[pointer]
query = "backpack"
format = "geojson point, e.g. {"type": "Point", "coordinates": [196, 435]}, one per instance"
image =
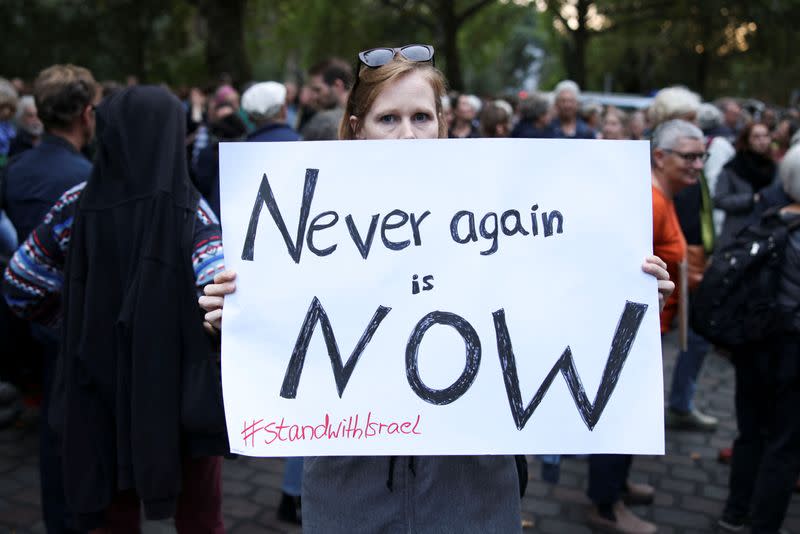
{"type": "Point", "coordinates": [736, 302]}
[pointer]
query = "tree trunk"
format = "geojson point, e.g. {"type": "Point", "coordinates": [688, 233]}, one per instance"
{"type": "Point", "coordinates": [581, 39]}
{"type": "Point", "coordinates": [703, 61]}
{"type": "Point", "coordinates": [449, 25]}
{"type": "Point", "coordinates": [225, 51]}
{"type": "Point", "coordinates": [574, 46]}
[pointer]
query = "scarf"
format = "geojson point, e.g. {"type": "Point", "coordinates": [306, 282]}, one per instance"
{"type": "Point", "coordinates": [756, 169]}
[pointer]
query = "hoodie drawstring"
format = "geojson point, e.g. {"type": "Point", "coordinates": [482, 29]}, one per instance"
{"type": "Point", "coordinates": [390, 476]}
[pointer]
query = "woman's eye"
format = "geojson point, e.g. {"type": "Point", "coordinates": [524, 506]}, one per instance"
{"type": "Point", "coordinates": [387, 119]}
{"type": "Point", "coordinates": [421, 117]}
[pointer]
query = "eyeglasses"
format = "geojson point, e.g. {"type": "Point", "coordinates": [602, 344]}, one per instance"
{"type": "Point", "coordinates": [689, 157]}
{"type": "Point", "coordinates": [377, 57]}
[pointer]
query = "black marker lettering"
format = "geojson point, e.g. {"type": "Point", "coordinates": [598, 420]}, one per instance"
{"type": "Point", "coordinates": [489, 233]}
{"type": "Point", "coordinates": [414, 285]}
{"type": "Point", "coordinates": [624, 336]}
{"type": "Point", "coordinates": [534, 223]}
{"type": "Point", "coordinates": [265, 196]}
{"type": "Point", "coordinates": [517, 228]}
{"type": "Point", "coordinates": [547, 221]}
{"type": "Point", "coordinates": [391, 226]}
{"type": "Point", "coordinates": [341, 373]}
{"type": "Point", "coordinates": [472, 236]}
{"type": "Point", "coordinates": [321, 226]}
{"type": "Point", "coordinates": [426, 280]}
{"type": "Point", "coordinates": [415, 227]}
{"type": "Point", "coordinates": [473, 350]}
{"type": "Point", "coordinates": [363, 246]}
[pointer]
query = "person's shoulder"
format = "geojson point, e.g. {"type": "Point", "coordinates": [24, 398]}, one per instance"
{"type": "Point", "coordinates": [22, 161]}
{"type": "Point", "coordinates": [289, 134]}
{"type": "Point", "coordinates": [329, 115]}
{"type": "Point", "coordinates": [721, 144]}
{"type": "Point", "coordinates": [729, 169]}
{"type": "Point", "coordinates": [520, 129]}
{"type": "Point", "coordinates": [58, 159]}
{"type": "Point", "coordinates": [583, 130]}
{"type": "Point", "coordinates": [277, 132]}
{"type": "Point", "coordinates": [208, 153]}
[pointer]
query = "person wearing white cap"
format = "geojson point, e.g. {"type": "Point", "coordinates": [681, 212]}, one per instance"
{"type": "Point", "coordinates": [265, 105]}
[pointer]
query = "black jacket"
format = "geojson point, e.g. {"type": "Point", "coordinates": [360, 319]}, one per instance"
{"type": "Point", "coordinates": [137, 387]}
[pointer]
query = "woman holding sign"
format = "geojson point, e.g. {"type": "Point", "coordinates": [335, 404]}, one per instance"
{"type": "Point", "coordinates": [397, 95]}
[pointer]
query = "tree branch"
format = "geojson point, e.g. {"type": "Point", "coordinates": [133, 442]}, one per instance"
{"type": "Point", "coordinates": [626, 9]}
{"type": "Point", "coordinates": [556, 12]}
{"type": "Point", "coordinates": [472, 10]}
{"type": "Point", "coordinates": [406, 11]}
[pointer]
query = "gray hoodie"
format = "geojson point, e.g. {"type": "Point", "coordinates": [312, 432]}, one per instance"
{"type": "Point", "coordinates": [411, 494]}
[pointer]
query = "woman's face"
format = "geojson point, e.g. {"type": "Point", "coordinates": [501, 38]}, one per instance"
{"type": "Point", "coordinates": [612, 127]}
{"type": "Point", "coordinates": [405, 109]}
{"type": "Point", "coordinates": [759, 139]}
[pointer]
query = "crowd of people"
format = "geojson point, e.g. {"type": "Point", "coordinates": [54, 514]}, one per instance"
{"type": "Point", "coordinates": [109, 231]}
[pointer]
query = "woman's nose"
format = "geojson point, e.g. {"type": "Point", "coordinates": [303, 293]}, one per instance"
{"type": "Point", "coordinates": [406, 130]}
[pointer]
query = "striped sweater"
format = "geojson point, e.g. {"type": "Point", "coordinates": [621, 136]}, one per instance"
{"type": "Point", "coordinates": [34, 277]}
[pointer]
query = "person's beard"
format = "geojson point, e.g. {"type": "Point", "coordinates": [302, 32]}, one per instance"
{"type": "Point", "coordinates": [34, 130]}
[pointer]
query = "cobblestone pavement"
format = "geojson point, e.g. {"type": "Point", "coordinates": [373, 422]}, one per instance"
{"type": "Point", "coordinates": [690, 484]}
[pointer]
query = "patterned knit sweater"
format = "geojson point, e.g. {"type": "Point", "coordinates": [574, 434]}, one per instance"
{"type": "Point", "coordinates": [33, 280]}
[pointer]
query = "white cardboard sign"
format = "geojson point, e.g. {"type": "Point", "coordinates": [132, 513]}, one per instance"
{"type": "Point", "coordinates": [440, 297]}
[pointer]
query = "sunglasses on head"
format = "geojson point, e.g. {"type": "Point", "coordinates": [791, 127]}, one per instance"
{"type": "Point", "coordinates": [377, 57]}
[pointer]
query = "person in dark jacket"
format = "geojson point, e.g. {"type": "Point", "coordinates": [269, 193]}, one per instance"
{"type": "Point", "coordinates": [265, 104]}
{"type": "Point", "coordinates": [138, 408]}
{"type": "Point", "coordinates": [742, 180]}
{"type": "Point", "coordinates": [766, 454]}
{"type": "Point", "coordinates": [567, 124]}
{"type": "Point", "coordinates": [228, 127]}
{"type": "Point", "coordinates": [65, 97]}
{"type": "Point", "coordinates": [534, 118]}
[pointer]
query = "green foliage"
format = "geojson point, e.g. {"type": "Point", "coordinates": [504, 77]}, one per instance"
{"type": "Point", "coordinates": [113, 38]}
{"type": "Point", "coordinates": [285, 37]}
{"type": "Point", "coordinates": [496, 48]}
{"type": "Point", "coordinates": [716, 47]}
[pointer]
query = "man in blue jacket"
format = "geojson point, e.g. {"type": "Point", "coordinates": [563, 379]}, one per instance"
{"type": "Point", "coordinates": [65, 98]}
{"type": "Point", "coordinates": [567, 124]}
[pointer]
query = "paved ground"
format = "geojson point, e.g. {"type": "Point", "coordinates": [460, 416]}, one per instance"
{"type": "Point", "coordinates": [690, 484]}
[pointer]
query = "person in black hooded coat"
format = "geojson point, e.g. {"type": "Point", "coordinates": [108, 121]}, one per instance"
{"type": "Point", "coordinates": [743, 180]}
{"type": "Point", "coordinates": [137, 391]}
